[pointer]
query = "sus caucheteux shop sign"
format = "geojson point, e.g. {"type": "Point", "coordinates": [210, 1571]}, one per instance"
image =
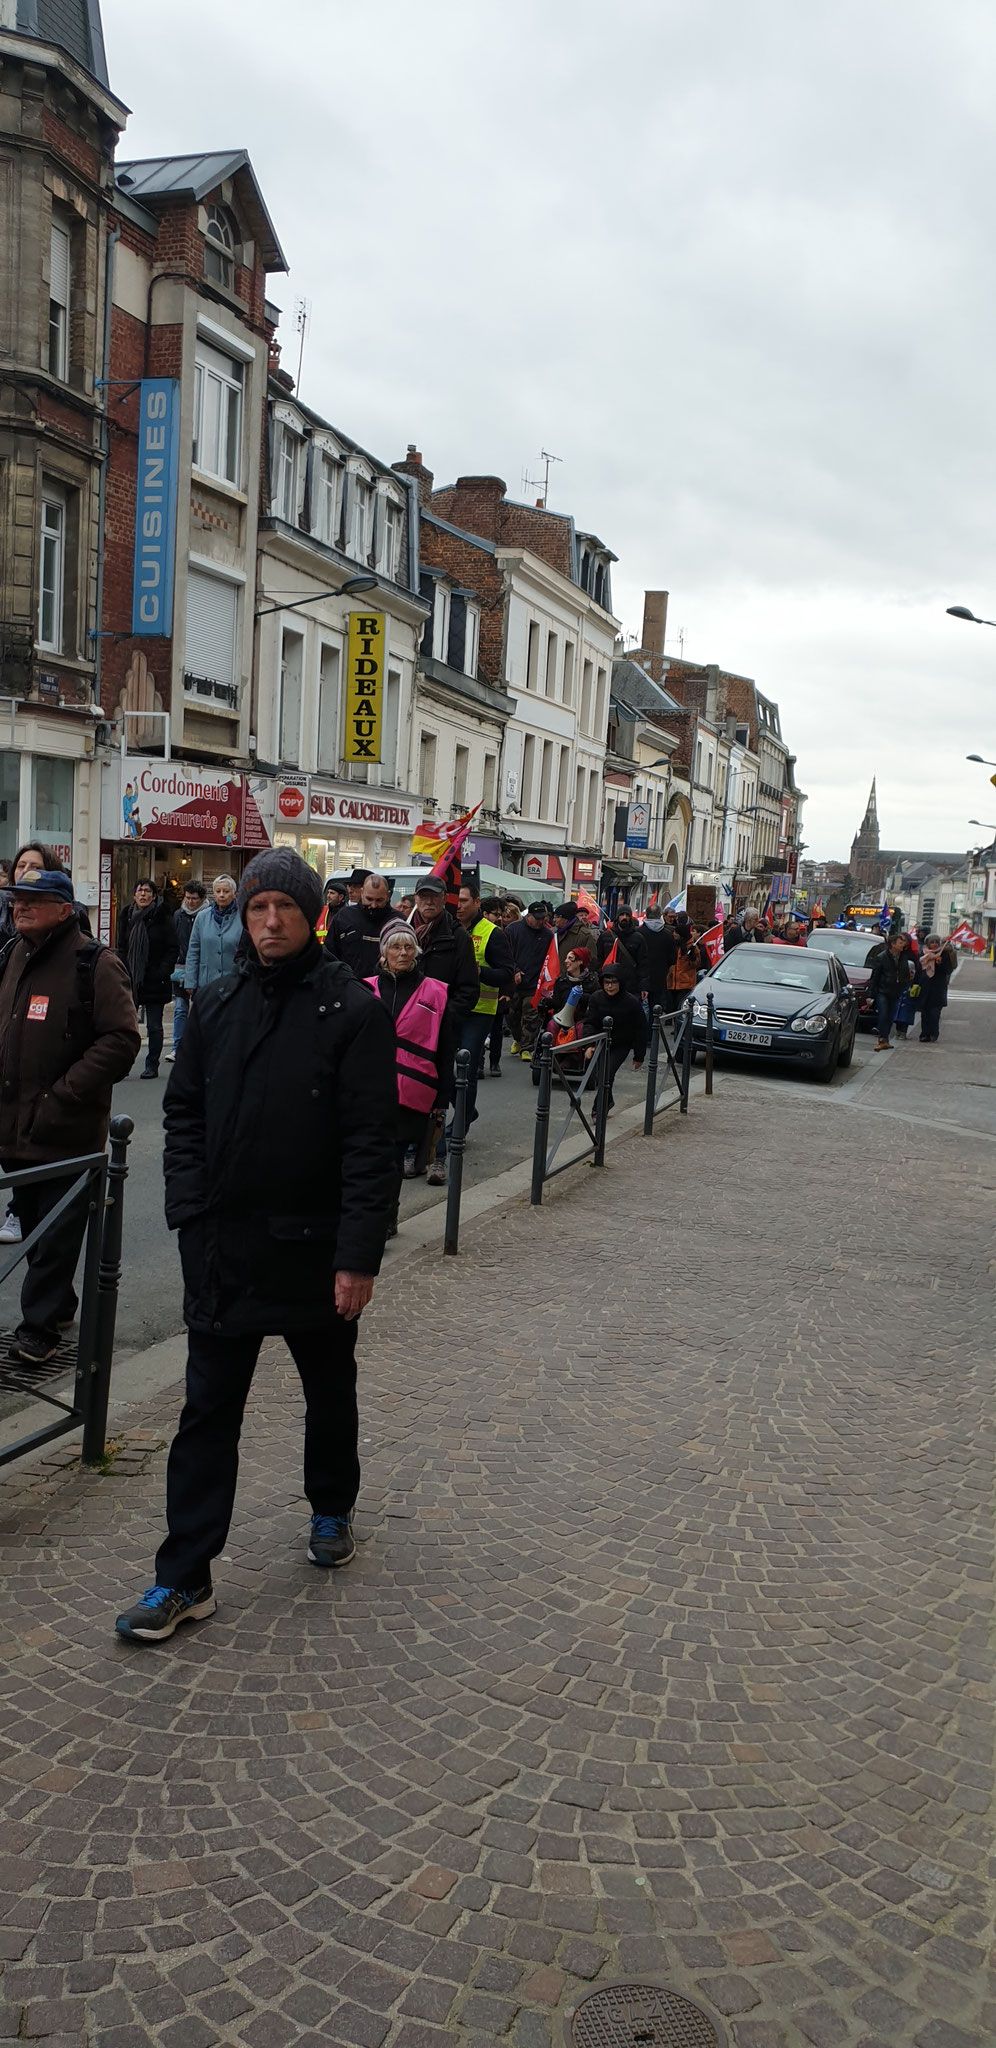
{"type": "Point", "coordinates": [365, 681]}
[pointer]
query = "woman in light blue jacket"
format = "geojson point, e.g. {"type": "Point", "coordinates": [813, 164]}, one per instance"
{"type": "Point", "coordinates": [214, 937]}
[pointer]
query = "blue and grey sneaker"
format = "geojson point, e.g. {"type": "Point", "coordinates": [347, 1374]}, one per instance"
{"type": "Point", "coordinates": [161, 1610]}
{"type": "Point", "coordinates": [332, 1541]}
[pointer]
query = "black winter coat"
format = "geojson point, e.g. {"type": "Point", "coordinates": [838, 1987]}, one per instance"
{"type": "Point", "coordinates": [183, 925]}
{"type": "Point", "coordinates": [280, 1121]}
{"type": "Point", "coordinates": [660, 953]}
{"type": "Point", "coordinates": [155, 985]}
{"type": "Point", "coordinates": [629, 1025]}
{"type": "Point", "coordinates": [354, 936]}
{"type": "Point", "coordinates": [448, 955]}
{"type": "Point", "coordinates": [890, 975]}
{"type": "Point", "coordinates": [529, 949]}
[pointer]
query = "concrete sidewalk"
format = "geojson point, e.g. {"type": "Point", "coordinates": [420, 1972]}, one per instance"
{"type": "Point", "coordinates": [666, 1658]}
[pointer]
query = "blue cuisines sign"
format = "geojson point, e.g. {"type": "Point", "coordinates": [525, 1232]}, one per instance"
{"type": "Point", "coordinates": [155, 507]}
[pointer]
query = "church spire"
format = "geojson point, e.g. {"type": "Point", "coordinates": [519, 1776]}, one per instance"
{"type": "Point", "coordinates": [871, 808]}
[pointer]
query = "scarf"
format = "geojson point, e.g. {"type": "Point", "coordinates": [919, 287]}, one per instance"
{"type": "Point", "coordinates": [222, 917]}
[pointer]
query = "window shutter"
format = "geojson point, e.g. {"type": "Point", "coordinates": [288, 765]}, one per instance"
{"type": "Point", "coordinates": [212, 612]}
{"type": "Point", "coordinates": [59, 267]}
{"type": "Point", "coordinates": [458, 632]}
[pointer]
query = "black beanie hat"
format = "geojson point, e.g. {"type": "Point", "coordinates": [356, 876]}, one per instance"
{"type": "Point", "coordinates": [281, 868]}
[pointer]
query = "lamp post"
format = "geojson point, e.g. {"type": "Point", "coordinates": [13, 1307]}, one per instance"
{"type": "Point", "coordinates": [961, 611]}
{"type": "Point", "coordinates": [351, 588]}
{"type": "Point", "coordinates": [982, 824]}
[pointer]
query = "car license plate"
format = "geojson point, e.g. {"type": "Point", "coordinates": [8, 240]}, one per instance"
{"type": "Point", "coordinates": [746, 1037]}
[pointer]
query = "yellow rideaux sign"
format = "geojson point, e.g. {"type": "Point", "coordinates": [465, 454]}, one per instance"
{"type": "Point", "coordinates": [365, 684]}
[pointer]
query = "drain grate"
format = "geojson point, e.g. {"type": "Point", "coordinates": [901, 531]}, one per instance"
{"type": "Point", "coordinates": [16, 1377]}
{"type": "Point", "coordinates": [641, 2016]}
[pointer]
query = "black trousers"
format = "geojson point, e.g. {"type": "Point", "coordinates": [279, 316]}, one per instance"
{"type": "Point", "coordinates": [204, 1457]}
{"type": "Point", "coordinates": [48, 1296]}
{"type": "Point", "coordinates": [930, 1020]}
{"type": "Point", "coordinates": [154, 1027]}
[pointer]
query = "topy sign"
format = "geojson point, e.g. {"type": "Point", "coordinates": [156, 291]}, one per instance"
{"type": "Point", "coordinates": [155, 507]}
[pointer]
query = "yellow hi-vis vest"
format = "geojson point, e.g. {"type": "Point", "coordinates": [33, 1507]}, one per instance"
{"type": "Point", "coordinates": [487, 1002]}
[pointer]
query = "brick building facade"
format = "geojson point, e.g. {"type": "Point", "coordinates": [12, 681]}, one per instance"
{"type": "Point", "coordinates": [59, 125]}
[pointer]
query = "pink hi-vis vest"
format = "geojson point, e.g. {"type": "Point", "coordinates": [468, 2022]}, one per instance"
{"type": "Point", "coordinates": [417, 1031]}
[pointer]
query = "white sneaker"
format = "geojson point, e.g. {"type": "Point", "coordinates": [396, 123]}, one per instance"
{"type": "Point", "coordinates": [170, 1056]}
{"type": "Point", "coordinates": [10, 1229]}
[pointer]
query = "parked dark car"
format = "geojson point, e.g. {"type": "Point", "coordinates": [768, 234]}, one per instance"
{"type": "Point", "coordinates": [780, 1003]}
{"type": "Point", "coordinates": [855, 951]}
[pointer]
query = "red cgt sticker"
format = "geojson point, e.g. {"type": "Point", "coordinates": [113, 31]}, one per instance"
{"type": "Point", "coordinates": [38, 1009]}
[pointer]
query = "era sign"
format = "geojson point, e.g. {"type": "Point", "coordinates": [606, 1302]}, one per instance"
{"type": "Point", "coordinates": [365, 686]}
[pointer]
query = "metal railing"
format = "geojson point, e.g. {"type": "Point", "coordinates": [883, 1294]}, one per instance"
{"type": "Point", "coordinates": [594, 1076]}
{"type": "Point", "coordinates": [100, 1182]}
{"type": "Point", "coordinates": [674, 1042]}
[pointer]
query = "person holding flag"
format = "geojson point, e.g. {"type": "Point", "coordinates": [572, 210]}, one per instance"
{"type": "Point", "coordinates": [447, 952]}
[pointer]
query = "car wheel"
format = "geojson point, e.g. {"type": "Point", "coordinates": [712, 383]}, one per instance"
{"type": "Point", "coordinates": [844, 1058]}
{"type": "Point", "coordinates": [829, 1067]}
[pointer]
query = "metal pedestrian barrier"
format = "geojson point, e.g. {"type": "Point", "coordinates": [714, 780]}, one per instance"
{"type": "Point", "coordinates": [593, 1080]}
{"type": "Point", "coordinates": [669, 1059]}
{"type": "Point", "coordinates": [99, 1181]}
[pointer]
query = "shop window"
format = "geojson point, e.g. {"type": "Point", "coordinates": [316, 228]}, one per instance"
{"type": "Point", "coordinates": [52, 787]}
{"type": "Point", "coordinates": [218, 391]}
{"type": "Point", "coordinates": [10, 803]}
{"type": "Point", "coordinates": [219, 247]}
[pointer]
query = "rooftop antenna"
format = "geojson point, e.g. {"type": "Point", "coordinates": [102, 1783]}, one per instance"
{"type": "Point", "coordinates": [532, 483]}
{"type": "Point", "coordinates": [302, 317]}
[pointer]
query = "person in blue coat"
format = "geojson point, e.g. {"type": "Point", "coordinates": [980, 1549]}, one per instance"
{"type": "Point", "coordinates": [214, 937]}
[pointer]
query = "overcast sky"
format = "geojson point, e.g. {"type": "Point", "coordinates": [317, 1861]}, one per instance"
{"type": "Point", "coordinates": [731, 262]}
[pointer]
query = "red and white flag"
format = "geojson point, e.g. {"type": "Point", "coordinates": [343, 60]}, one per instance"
{"type": "Point", "coordinates": [713, 943]}
{"type": "Point", "coordinates": [586, 902]}
{"type": "Point", "coordinates": [549, 975]}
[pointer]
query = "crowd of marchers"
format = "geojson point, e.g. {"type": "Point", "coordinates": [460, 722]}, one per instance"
{"type": "Point", "coordinates": [314, 1040]}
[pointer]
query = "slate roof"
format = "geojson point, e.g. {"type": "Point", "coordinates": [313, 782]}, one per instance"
{"type": "Point", "coordinates": [636, 691]}
{"type": "Point", "coordinates": [155, 180]}
{"type": "Point", "coordinates": [73, 26]}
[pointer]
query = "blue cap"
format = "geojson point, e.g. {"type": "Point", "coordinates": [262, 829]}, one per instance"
{"type": "Point", "coordinates": [45, 882]}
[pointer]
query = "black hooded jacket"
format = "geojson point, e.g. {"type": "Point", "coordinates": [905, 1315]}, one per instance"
{"type": "Point", "coordinates": [354, 936]}
{"type": "Point", "coordinates": [629, 1025]}
{"type": "Point", "coordinates": [280, 1119]}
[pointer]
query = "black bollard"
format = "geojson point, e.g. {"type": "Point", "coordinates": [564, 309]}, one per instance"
{"type": "Point", "coordinates": [602, 1097]}
{"type": "Point", "coordinates": [686, 1055]}
{"type": "Point", "coordinates": [108, 1277]}
{"type": "Point", "coordinates": [655, 1047]}
{"type": "Point", "coordinates": [542, 1126]}
{"type": "Point", "coordinates": [456, 1145]}
{"type": "Point", "coordinates": [709, 1035]}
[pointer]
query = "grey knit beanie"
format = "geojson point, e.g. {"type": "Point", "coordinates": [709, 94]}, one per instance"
{"type": "Point", "coordinates": [281, 868]}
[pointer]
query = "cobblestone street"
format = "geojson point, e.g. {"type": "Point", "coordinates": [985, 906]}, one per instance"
{"type": "Point", "coordinates": [666, 1656]}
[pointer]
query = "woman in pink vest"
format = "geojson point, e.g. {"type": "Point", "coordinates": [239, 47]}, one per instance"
{"type": "Point", "coordinates": [426, 1036]}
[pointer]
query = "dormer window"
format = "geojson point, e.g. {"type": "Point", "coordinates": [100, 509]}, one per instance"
{"type": "Point", "coordinates": [219, 250]}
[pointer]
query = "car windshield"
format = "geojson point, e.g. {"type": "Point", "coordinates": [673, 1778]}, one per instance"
{"type": "Point", "coordinates": [776, 967]}
{"type": "Point", "coordinates": [856, 949]}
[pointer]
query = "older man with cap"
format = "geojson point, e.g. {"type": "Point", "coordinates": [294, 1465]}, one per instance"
{"type": "Point", "coordinates": [68, 1031]}
{"type": "Point", "coordinates": [280, 1178]}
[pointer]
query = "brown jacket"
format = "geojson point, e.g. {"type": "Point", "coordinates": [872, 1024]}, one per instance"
{"type": "Point", "coordinates": [58, 1064]}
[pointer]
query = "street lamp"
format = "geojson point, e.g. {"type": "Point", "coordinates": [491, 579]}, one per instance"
{"type": "Point", "coordinates": [961, 611]}
{"type": "Point", "coordinates": [981, 759]}
{"type": "Point", "coordinates": [982, 824]}
{"type": "Point", "coordinates": [351, 588]}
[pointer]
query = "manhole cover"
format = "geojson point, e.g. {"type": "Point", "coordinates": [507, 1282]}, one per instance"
{"type": "Point", "coordinates": [641, 2016]}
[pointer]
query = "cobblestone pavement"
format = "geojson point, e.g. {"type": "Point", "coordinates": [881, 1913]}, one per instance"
{"type": "Point", "coordinates": [666, 1656]}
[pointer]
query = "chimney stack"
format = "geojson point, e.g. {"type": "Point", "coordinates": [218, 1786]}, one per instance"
{"type": "Point", "coordinates": [654, 620]}
{"type": "Point", "coordinates": [413, 465]}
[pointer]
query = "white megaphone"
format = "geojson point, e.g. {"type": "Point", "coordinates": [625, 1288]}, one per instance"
{"type": "Point", "coordinates": [565, 1017]}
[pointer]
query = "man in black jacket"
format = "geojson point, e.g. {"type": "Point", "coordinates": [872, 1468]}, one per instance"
{"type": "Point", "coordinates": [660, 951]}
{"type": "Point", "coordinates": [280, 1176]}
{"type": "Point", "coordinates": [493, 959]}
{"type": "Point", "coordinates": [529, 941]}
{"type": "Point", "coordinates": [629, 1025]}
{"type": "Point", "coordinates": [751, 932]}
{"type": "Point", "coordinates": [891, 974]}
{"type": "Point", "coordinates": [447, 952]}
{"type": "Point", "coordinates": [354, 933]}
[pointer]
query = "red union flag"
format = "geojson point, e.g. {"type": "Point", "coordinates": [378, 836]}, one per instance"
{"type": "Point", "coordinates": [713, 943]}
{"type": "Point", "coordinates": [963, 935]}
{"type": "Point", "coordinates": [549, 973]}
